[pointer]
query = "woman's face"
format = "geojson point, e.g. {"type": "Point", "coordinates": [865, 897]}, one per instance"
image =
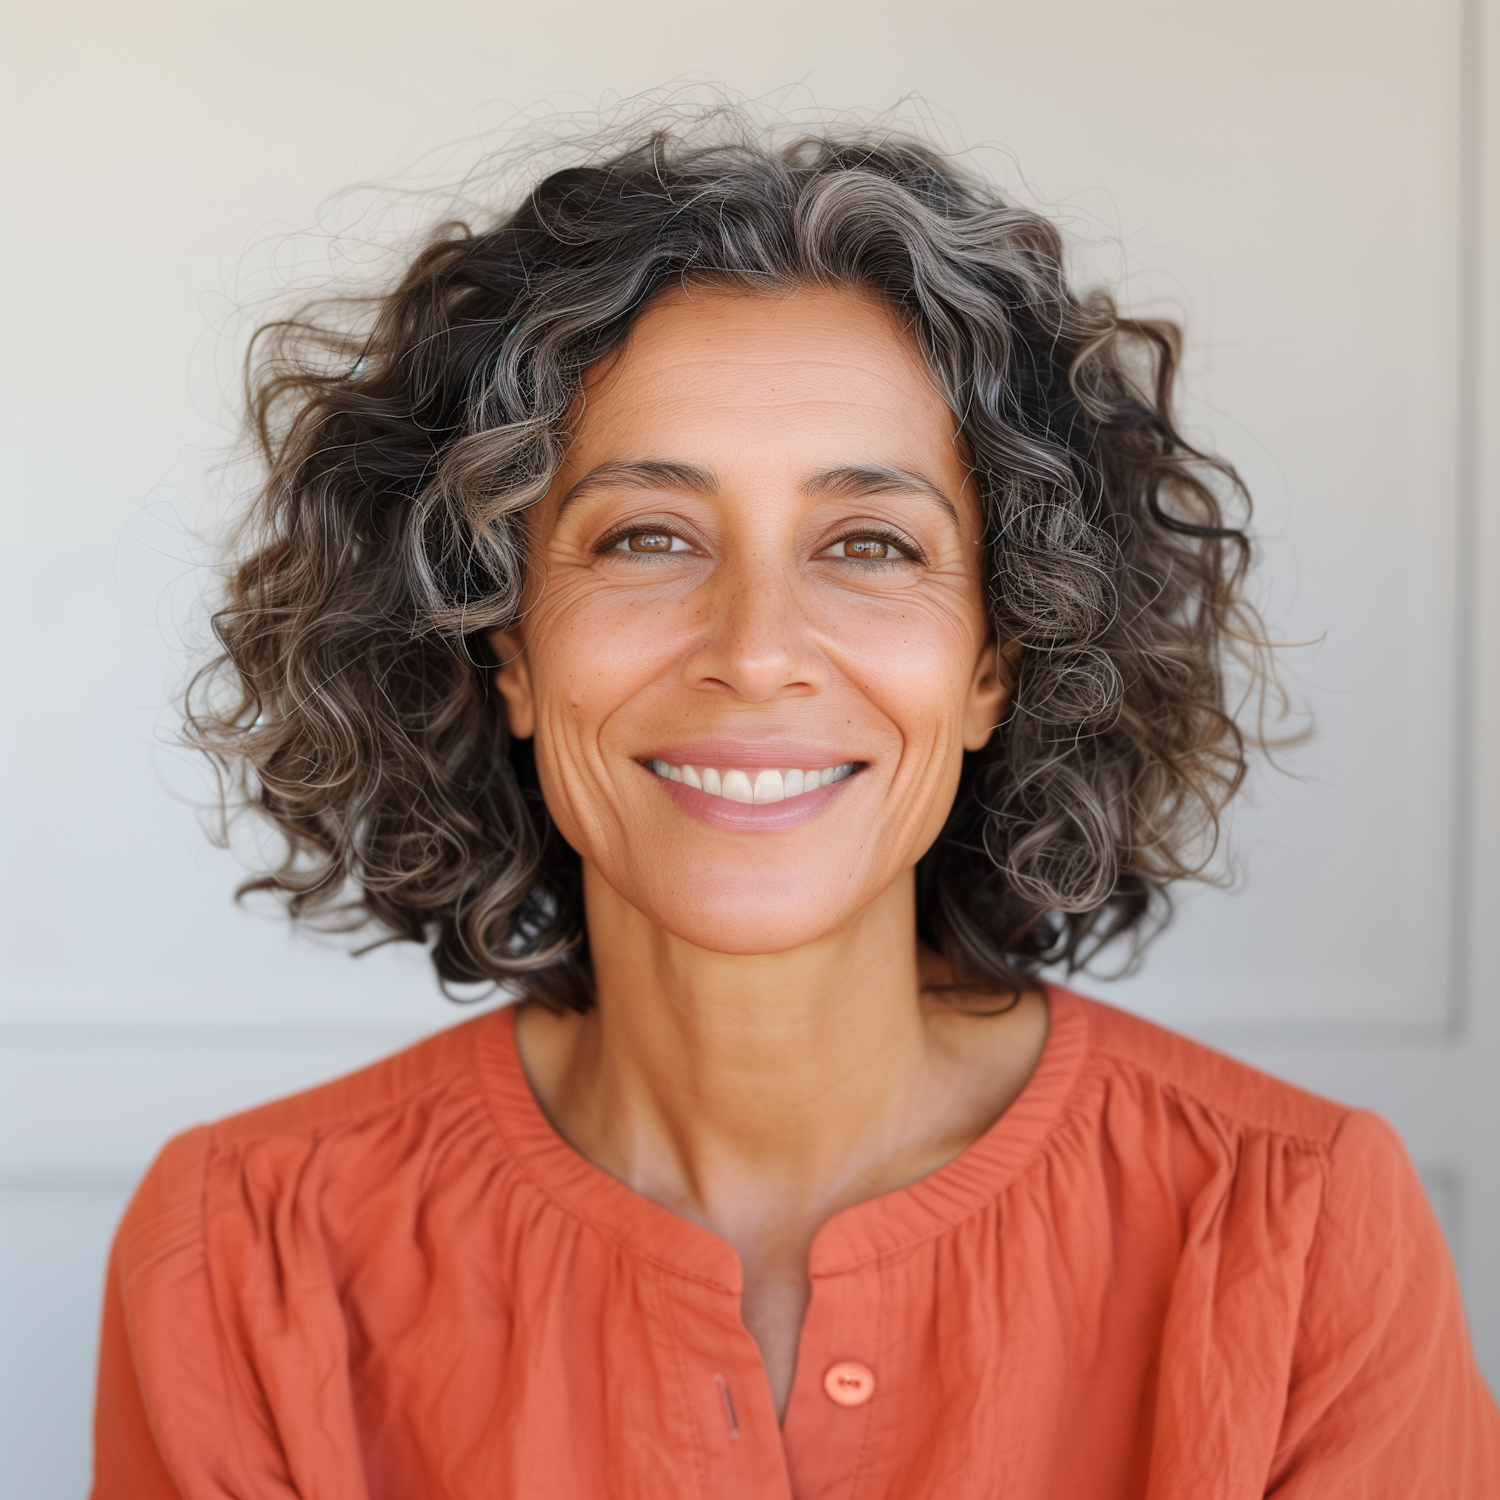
{"type": "Point", "coordinates": [758, 571]}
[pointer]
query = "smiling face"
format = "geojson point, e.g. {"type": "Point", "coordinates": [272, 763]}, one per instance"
{"type": "Point", "coordinates": [761, 560]}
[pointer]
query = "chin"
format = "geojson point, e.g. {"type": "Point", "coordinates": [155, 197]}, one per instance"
{"type": "Point", "coordinates": [748, 917]}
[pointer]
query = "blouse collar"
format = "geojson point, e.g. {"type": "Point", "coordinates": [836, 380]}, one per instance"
{"type": "Point", "coordinates": [866, 1231]}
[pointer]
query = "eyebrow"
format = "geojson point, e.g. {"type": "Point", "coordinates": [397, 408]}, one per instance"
{"type": "Point", "coordinates": [642, 474]}
{"type": "Point", "coordinates": [849, 481]}
{"type": "Point", "coordinates": [845, 480]}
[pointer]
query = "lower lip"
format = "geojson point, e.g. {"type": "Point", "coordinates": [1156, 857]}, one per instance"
{"type": "Point", "coordinates": [747, 817]}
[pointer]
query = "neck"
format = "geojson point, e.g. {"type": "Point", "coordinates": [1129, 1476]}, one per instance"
{"type": "Point", "coordinates": [698, 1067]}
{"type": "Point", "coordinates": [761, 1094]}
{"type": "Point", "coordinates": [747, 1091]}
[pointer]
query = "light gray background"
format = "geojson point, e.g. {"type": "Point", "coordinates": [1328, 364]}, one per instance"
{"type": "Point", "coordinates": [1308, 185]}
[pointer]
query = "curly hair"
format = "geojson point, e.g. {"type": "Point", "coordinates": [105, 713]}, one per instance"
{"type": "Point", "coordinates": [353, 704]}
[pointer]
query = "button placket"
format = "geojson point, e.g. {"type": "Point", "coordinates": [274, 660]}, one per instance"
{"type": "Point", "coordinates": [738, 1441]}
{"type": "Point", "coordinates": [838, 1375]}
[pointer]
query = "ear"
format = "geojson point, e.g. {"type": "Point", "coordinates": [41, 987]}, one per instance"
{"type": "Point", "coordinates": [989, 692]}
{"type": "Point", "coordinates": [513, 682]}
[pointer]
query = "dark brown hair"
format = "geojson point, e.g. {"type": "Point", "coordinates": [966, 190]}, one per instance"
{"type": "Point", "coordinates": [403, 435]}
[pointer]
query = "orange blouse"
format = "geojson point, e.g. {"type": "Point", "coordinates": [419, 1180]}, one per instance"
{"type": "Point", "coordinates": [1160, 1274]}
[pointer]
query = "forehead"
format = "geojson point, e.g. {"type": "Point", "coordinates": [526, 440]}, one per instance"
{"type": "Point", "coordinates": [818, 367]}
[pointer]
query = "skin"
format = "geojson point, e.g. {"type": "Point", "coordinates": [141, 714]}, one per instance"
{"type": "Point", "coordinates": [770, 1043]}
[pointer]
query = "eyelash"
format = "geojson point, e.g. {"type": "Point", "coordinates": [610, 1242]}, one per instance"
{"type": "Point", "coordinates": [611, 543]}
{"type": "Point", "coordinates": [903, 544]}
{"type": "Point", "coordinates": [910, 551]}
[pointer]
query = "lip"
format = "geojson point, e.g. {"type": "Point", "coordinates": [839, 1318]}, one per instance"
{"type": "Point", "coordinates": [760, 754]}
{"type": "Point", "coordinates": [745, 817]}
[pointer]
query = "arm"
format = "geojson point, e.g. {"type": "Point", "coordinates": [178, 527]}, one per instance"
{"type": "Point", "coordinates": [127, 1462]}
{"type": "Point", "coordinates": [170, 1420]}
{"type": "Point", "coordinates": [1385, 1399]}
{"type": "Point", "coordinates": [160, 1393]}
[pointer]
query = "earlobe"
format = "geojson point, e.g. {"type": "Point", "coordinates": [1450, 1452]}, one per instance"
{"type": "Point", "coordinates": [989, 692]}
{"type": "Point", "coordinates": [513, 682]}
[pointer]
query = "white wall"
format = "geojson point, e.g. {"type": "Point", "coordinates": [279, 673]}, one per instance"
{"type": "Point", "coordinates": [1299, 180]}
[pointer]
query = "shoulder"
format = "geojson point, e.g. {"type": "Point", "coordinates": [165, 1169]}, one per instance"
{"type": "Point", "coordinates": [1148, 1059]}
{"type": "Point", "coordinates": [331, 1143]}
{"type": "Point", "coordinates": [1225, 1133]}
{"type": "Point", "coordinates": [1315, 1192]}
{"type": "Point", "coordinates": [258, 1224]}
{"type": "Point", "coordinates": [433, 1068]}
{"type": "Point", "coordinates": [1307, 1272]}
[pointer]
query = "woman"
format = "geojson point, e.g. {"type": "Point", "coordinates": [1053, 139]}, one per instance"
{"type": "Point", "coordinates": [745, 602]}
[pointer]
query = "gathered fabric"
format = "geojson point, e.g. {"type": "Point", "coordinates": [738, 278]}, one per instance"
{"type": "Point", "coordinates": [1160, 1274]}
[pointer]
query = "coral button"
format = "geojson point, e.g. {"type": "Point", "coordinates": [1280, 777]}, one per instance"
{"type": "Point", "coordinates": [849, 1383]}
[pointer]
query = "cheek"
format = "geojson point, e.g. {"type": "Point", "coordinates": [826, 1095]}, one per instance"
{"type": "Point", "coordinates": [915, 661]}
{"type": "Point", "coordinates": [589, 647]}
{"type": "Point", "coordinates": [592, 655]}
{"type": "Point", "coordinates": [913, 666]}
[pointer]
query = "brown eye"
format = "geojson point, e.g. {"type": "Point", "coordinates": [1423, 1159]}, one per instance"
{"type": "Point", "coordinates": [650, 542]}
{"type": "Point", "coordinates": [867, 548]}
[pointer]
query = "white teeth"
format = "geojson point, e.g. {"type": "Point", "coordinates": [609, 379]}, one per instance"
{"type": "Point", "coordinates": [737, 787]}
{"type": "Point", "coordinates": [769, 787]}
{"type": "Point", "coordinates": [756, 787]}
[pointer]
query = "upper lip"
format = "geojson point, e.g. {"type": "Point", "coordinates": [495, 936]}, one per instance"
{"type": "Point", "coordinates": [763, 753]}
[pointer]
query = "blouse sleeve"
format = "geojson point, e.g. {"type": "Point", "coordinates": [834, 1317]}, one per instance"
{"type": "Point", "coordinates": [126, 1458]}
{"type": "Point", "coordinates": [1385, 1398]}
{"type": "Point", "coordinates": [169, 1419]}
{"type": "Point", "coordinates": [150, 1298]}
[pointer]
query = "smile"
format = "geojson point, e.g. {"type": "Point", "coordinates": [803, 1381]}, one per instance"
{"type": "Point", "coordinates": [753, 787]}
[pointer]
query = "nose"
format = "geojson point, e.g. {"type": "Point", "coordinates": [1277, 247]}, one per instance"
{"type": "Point", "coordinates": [756, 640]}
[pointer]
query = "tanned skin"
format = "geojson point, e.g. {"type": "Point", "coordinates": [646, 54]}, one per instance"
{"type": "Point", "coordinates": [765, 541]}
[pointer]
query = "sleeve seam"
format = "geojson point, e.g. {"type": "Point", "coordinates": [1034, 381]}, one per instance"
{"type": "Point", "coordinates": [1317, 1145]}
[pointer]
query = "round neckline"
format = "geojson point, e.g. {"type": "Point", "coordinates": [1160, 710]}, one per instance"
{"type": "Point", "coordinates": [865, 1231]}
